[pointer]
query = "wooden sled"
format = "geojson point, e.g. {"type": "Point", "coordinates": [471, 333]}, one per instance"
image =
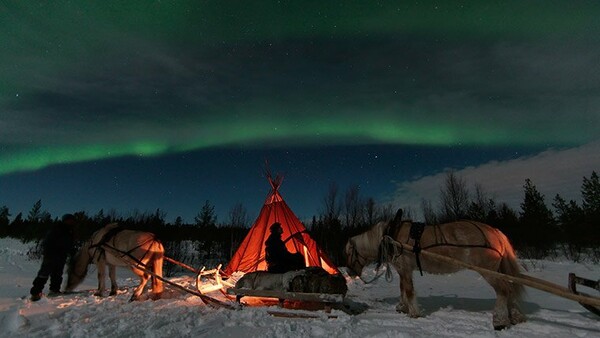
{"type": "Point", "coordinates": [202, 275]}
{"type": "Point", "coordinates": [327, 300]}
{"type": "Point", "coordinates": [134, 263]}
{"type": "Point", "coordinates": [217, 282]}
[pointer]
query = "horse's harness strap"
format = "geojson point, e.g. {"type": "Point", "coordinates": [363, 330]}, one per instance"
{"type": "Point", "coordinates": [126, 253]}
{"type": "Point", "coordinates": [483, 246]}
{"type": "Point", "coordinates": [444, 242]}
{"type": "Point", "coordinates": [359, 256]}
{"type": "Point", "coordinates": [109, 235]}
{"type": "Point", "coordinates": [98, 247]}
{"type": "Point", "coordinates": [415, 233]}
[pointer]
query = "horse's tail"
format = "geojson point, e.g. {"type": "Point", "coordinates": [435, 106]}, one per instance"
{"type": "Point", "coordinates": [157, 267]}
{"type": "Point", "coordinates": [509, 265]}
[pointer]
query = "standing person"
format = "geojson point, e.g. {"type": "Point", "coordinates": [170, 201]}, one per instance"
{"type": "Point", "coordinates": [57, 245]}
{"type": "Point", "coordinates": [279, 259]}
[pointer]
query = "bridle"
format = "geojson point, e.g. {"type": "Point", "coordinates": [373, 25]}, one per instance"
{"type": "Point", "coordinates": [351, 259]}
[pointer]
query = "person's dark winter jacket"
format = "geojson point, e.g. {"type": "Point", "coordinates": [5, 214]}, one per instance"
{"type": "Point", "coordinates": [57, 246]}
{"type": "Point", "coordinates": [58, 243]}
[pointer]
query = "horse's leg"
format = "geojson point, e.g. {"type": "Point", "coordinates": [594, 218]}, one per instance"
{"type": "Point", "coordinates": [401, 307]}
{"type": "Point", "coordinates": [157, 284]}
{"type": "Point", "coordinates": [514, 312]}
{"type": "Point", "coordinates": [408, 302]}
{"type": "Point", "coordinates": [500, 316]}
{"type": "Point", "coordinates": [101, 265]}
{"type": "Point", "coordinates": [144, 277]}
{"type": "Point", "coordinates": [113, 279]}
{"type": "Point", "coordinates": [407, 290]}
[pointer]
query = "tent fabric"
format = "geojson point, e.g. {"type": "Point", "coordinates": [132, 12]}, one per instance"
{"type": "Point", "coordinates": [250, 255]}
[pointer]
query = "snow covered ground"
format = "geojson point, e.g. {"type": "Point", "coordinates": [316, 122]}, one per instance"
{"type": "Point", "coordinates": [456, 305]}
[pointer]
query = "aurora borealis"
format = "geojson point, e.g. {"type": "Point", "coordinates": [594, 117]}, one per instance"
{"type": "Point", "coordinates": [106, 84]}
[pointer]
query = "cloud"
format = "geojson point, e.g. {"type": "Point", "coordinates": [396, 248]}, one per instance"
{"type": "Point", "coordinates": [554, 171]}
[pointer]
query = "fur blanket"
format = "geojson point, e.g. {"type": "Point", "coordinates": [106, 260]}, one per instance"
{"type": "Point", "coordinates": [309, 280]}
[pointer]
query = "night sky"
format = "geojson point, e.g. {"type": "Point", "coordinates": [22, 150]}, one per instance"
{"type": "Point", "coordinates": [139, 105]}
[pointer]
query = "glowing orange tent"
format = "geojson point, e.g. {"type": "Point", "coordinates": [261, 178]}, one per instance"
{"type": "Point", "coordinates": [250, 256]}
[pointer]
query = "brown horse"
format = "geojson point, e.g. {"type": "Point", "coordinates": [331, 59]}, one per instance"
{"type": "Point", "coordinates": [468, 241]}
{"type": "Point", "coordinates": [114, 246]}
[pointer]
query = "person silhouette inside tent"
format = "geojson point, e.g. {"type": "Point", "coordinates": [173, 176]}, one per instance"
{"type": "Point", "coordinates": [279, 259]}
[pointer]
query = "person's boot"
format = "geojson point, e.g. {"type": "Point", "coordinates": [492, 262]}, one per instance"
{"type": "Point", "coordinates": [54, 293]}
{"type": "Point", "coordinates": [36, 289]}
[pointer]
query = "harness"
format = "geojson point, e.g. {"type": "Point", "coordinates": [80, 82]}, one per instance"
{"type": "Point", "coordinates": [98, 247]}
{"type": "Point", "coordinates": [354, 253]}
{"type": "Point", "coordinates": [108, 236]}
{"type": "Point", "coordinates": [103, 244]}
{"type": "Point", "coordinates": [416, 232]}
{"type": "Point", "coordinates": [440, 239]}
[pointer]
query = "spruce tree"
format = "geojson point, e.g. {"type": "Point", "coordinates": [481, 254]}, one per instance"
{"type": "Point", "coordinates": [537, 226]}
{"type": "Point", "coordinates": [590, 192]}
{"type": "Point", "coordinates": [4, 215]}
{"type": "Point", "coordinates": [570, 222]}
{"type": "Point", "coordinates": [207, 216]}
{"type": "Point", "coordinates": [4, 221]}
{"type": "Point", "coordinates": [35, 214]}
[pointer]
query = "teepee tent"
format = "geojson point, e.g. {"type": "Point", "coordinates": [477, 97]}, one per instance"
{"type": "Point", "coordinates": [250, 256]}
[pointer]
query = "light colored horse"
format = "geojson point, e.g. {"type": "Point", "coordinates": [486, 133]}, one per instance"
{"type": "Point", "coordinates": [111, 246]}
{"type": "Point", "coordinates": [468, 241]}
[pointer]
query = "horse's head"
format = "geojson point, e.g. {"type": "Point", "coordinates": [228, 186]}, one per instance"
{"type": "Point", "coordinates": [354, 261]}
{"type": "Point", "coordinates": [363, 249]}
{"type": "Point", "coordinates": [78, 267]}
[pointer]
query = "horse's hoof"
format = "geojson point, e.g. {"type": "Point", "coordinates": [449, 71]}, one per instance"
{"type": "Point", "coordinates": [99, 294]}
{"type": "Point", "coordinates": [113, 293]}
{"type": "Point", "coordinates": [401, 308]}
{"type": "Point", "coordinates": [518, 320]}
{"type": "Point", "coordinates": [516, 317]}
{"type": "Point", "coordinates": [501, 324]}
{"type": "Point", "coordinates": [134, 298]}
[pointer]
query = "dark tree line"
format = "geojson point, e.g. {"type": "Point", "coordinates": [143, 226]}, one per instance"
{"type": "Point", "coordinates": [535, 230]}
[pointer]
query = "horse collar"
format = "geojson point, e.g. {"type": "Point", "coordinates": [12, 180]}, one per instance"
{"type": "Point", "coordinates": [108, 236]}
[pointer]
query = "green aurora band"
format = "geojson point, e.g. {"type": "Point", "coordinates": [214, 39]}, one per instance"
{"type": "Point", "coordinates": [271, 133]}
{"type": "Point", "coordinates": [45, 41]}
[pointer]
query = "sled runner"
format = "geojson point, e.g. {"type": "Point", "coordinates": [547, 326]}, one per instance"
{"type": "Point", "coordinates": [328, 300]}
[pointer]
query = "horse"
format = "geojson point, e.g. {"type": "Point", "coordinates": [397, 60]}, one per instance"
{"type": "Point", "coordinates": [467, 241]}
{"type": "Point", "coordinates": [114, 246]}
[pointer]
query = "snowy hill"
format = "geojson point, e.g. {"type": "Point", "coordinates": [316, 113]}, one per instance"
{"type": "Point", "coordinates": [456, 305]}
